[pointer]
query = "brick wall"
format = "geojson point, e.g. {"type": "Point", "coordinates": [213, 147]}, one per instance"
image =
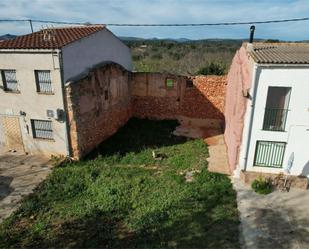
{"type": "Point", "coordinates": [98, 105]}
{"type": "Point", "coordinates": [100, 101]}
{"type": "Point", "coordinates": [204, 99]}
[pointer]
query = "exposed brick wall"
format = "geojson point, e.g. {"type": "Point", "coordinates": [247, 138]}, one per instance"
{"type": "Point", "coordinates": [98, 105]}
{"type": "Point", "coordinates": [93, 118]}
{"type": "Point", "coordinates": [204, 100]}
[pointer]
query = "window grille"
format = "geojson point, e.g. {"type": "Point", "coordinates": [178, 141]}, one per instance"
{"type": "Point", "coordinates": [269, 154]}
{"type": "Point", "coordinates": [43, 81]}
{"type": "Point", "coordinates": [42, 129]}
{"type": "Point", "coordinates": [9, 80]}
{"type": "Point", "coordinates": [276, 110]}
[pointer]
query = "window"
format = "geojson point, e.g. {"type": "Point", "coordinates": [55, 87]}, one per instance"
{"type": "Point", "coordinates": [106, 94]}
{"type": "Point", "coordinates": [169, 83]}
{"type": "Point", "coordinates": [42, 129]}
{"type": "Point", "coordinates": [43, 81]}
{"type": "Point", "coordinates": [269, 154]}
{"type": "Point", "coordinates": [189, 84]}
{"type": "Point", "coordinates": [9, 80]}
{"type": "Point", "coordinates": [276, 108]}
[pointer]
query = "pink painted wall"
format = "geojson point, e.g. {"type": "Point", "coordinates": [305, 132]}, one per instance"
{"type": "Point", "coordinates": [239, 79]}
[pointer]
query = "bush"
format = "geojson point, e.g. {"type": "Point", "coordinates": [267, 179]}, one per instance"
{"type": "Point", "coordinates": [262, 186]}
{"type": "Point", "coordinates": [212, 69]}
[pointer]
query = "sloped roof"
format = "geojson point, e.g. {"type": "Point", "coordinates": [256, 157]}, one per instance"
{"type": "Point", "coordinates": [280, 53]}
{"type": "Point", "coordinates": [51, 38]}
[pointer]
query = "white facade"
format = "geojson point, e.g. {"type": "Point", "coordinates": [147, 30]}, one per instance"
{"type": "Point", "coordinates": [20, 109]}
{"type": "Point", "coordinates": [102, 46]}
{"type": "Point", "coordinates": [30, 102]}
{"type": "Point", "coordinates": [296, 133]}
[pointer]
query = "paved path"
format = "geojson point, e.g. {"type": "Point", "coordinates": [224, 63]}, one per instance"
{"type": "Point", "coordinates": [217, 161]}
{"type": "Point", "coordinates": [277, 220]}
{"type": "Point", "coordinates": [19, 175]}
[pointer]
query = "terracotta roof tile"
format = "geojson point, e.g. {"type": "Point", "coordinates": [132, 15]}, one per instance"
{"type": "Point", "coordinates": [50, 38]}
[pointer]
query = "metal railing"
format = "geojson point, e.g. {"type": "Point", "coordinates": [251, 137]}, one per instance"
{"type": "Point", "coordinates": [42, 129]}
{"type": "Point", "coordinates": [9, 80]}
{"type": "Point", "coordinates": [43, 81]}
{"type": "Point", "coordinates": [275, 119]}
{"type": "Point", "coordinates": [269, 154]}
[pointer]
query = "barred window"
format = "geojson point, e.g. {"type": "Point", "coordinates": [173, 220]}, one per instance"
{"type": "Point", "coordinates": [269, 154]}
{"type": "Point", "coordinates": [43, 81]}
{"type": "Point", "coordinates": [9, 80]}
{"type": "Point", "coordinates": [42, 129]}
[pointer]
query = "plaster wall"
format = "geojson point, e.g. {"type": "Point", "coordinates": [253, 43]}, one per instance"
{"type": "Point", "coordinates": [32, 103]}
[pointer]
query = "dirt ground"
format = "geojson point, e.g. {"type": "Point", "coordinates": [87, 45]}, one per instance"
{"type": "Point", "coordinates": [19, 175]}
{"type": "Point", "coordinates": [277, 220]}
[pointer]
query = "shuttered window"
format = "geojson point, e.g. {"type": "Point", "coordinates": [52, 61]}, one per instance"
{"type": "Point", "coordinates": [42, 129]}
{"type": "Point", "coordinates": [43, 81]}
{"type": "Point", "coordinates": [9, 80]}
{"type": "Point", "coordinates": [269, 154]}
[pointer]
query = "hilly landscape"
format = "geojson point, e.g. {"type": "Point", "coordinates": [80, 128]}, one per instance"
{"type": "Point", "coordinates": [184, 57]}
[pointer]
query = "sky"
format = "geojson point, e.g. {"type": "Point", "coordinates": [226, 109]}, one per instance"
{"type": "Point", "coordinates": [165, 11]}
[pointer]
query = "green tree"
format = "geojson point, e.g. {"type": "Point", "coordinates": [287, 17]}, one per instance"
{"type": "Point", "coordinates": [212, 68]}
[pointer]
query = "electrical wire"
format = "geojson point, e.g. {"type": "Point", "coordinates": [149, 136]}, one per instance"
{"type": "Point", "coordinates": [161, 25]}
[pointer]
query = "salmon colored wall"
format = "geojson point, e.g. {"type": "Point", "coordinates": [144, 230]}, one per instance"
{"type": "Point", "coordinates": [239, 80]}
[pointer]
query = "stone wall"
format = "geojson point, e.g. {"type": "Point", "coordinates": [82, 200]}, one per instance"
{"type": "Point", "coordinates": [98, 105]}
{"type": "Point", "coordinates": [200, 97]}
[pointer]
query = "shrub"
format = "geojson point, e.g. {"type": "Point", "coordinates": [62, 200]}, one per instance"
{"type": "Point", "coordinates": [262, 186]}
{"type": "Point", "coordinates": [212, 69]}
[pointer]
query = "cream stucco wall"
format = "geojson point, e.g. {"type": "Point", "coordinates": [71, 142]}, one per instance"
{"type": "Point", "coordinates": [296, 77]}
{"type": "Point", "coordinates": [91, 50]}
{"type": "Point", "coordinates": [31, 102]}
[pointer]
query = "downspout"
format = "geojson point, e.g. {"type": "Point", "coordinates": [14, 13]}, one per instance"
{"type": "Point", "coordinates": [251, 110]}
{"type": "Point", "coordinates": [67, 128]}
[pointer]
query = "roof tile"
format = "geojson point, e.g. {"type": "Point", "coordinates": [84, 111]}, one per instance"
{"type": "Point", "coordinates": [55, 38]}
{"type": "Point", "coordinates": [280, 53]}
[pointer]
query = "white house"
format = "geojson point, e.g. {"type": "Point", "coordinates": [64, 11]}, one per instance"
{"type": "Point", "coordinates": [34, 69]}
{"type": "Point", "coordinates": [267, 108]}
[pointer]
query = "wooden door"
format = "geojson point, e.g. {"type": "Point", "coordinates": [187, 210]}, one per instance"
{"type": "Point", "coordinates": [12, 133]}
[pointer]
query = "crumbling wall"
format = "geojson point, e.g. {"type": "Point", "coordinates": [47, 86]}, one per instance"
{"type": "Point", "coordinates": [98, 105]}
{"type": "Point", "coordinates": [103, 99]}
{"type": "Point", "coordinates": [151, 98]}
{"type": "Point", "coordinates": [200, 97]}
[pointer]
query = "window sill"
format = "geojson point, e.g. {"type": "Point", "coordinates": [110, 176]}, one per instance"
{"type": "Point", "coordinates": [46, 93]}
{"type": "Point", "coordinates": [44, 139]}
{"type": "Point", "coordinates": [274, 130]}
{"type": "Point", "coordinates": [264, 166]}
{"type": "Point", "coordinates": [14, 92]}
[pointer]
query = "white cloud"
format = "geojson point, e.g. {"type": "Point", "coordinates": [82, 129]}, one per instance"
{"type": "Point", "coordinates": [165, 11]}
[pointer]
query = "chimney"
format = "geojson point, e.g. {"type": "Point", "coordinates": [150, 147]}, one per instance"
{"type": "Point", "coordinates": [252, 28]}
{"type": "Point", "coordinates": [250, 45]}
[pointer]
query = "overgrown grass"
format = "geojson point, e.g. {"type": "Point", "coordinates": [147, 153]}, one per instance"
{"type": "Point", "coordinates": [124, 198]}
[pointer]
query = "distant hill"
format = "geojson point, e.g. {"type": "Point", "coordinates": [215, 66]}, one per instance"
{"type": "Point", "coordinates": [7, 37]}
{"type": "Point", "coordinates": [129, 38]}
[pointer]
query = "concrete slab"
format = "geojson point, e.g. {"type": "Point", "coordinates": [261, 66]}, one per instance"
{"type": "Point", "coordinates": [277, 220]}
{"type": "Point", "coordinates": [19, 175]}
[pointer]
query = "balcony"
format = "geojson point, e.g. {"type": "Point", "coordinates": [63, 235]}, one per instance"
{"type": "Point", "coordinates": [275, 119]}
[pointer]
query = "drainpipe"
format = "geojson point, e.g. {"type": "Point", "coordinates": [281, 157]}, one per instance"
{"type": "Point", "coordinates": [67, 128]}
{"type": "Point", "coordinates": [249, 120]}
